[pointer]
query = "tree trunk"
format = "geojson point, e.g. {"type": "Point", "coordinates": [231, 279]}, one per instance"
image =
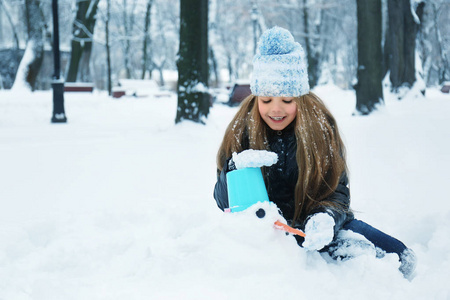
{"type": "Point", "coordinates": [401, 42]}
{"type": "Point", "coordinates": [84, 70]}
{"type": "Point", "coordinates": [128, 25]}
{"type": "Point", "coordinates": [108, 47]}
{"type": "Point", "coordinates": [230, 68]}
{"type": "Point", "coordinates": [387, 52]}
{"type": "Point", "coordinates": [214, 66]}
{"type": "Point", "coordinates": [193, 98]}
{"type": "Point", "coordinates": [444, 65]}
{"type": "Point", "coordinates": [1, 27]}
{"type": "Point", "coordinates": [13, 27]}
{"type": "Point", "coordinates": [161, 76]}
{"type": "Point", "coordinates": [311, 56]}
{"type": "Point", "coordinates": [410, 29]}
{"type": "Point", "coordinates": [147, 41]}
{"type": "Point", "coordinates": [83, 32]}
{"type": "Point", "coordinates": [126, 55]}
{"type": "Point", "coordinates": [34, 54]}
{"type": "Point", "coordinates": [369, 90]}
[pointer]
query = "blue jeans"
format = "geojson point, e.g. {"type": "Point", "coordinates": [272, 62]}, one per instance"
{"type": "Point", "coordinates": [380, 239]}
{"type": "Point", "coordinates": [345, 247]}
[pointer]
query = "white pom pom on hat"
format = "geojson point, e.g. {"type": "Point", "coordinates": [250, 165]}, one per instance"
{"type": "Point", "coordinates": [279, 66]}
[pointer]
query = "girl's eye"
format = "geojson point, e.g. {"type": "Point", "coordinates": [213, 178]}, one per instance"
{"type": "Point", "coordinates": [265, 101]}
{"type": "Point", "coordinates": [287, 101]}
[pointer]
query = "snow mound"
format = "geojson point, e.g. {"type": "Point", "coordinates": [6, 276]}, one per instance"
{"type": "Point", "coordinates": [150, 229]}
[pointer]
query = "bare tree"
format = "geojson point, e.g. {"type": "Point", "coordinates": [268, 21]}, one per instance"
{"type": "Point", "coordinates": [400, 44]}
{"type": "Point", "coordinates": [83, 32]}
{"type": "Point", "coordinates": [160, 58]}
{"type": "Point", "coordinates": [165, 40]}
{"type": "Point", "coordinates": [193, 98]}
{"type": "Point", "coordinates": [312, 55]}
{"type": "Point", "coordinates": [12, 26]}
{"type": "Point", "coordinates": [108, 46]}
{"type": "Point", "coordinates": [442, 15]}
{"type": "Point", "coordinates": [338, 43]}
{"type": "Point", "coordinates": [147, 41]}
{"type": "Point", "coordinates": [326, 29]}
{"type": "Point", "coordinates": [234, 37]}
{"type": "Point", "coordinates": [369, 90]}
{"type": "Point", "coordinates": [128, 21]}
{"type": "Point", "coordinates": [31, 62]}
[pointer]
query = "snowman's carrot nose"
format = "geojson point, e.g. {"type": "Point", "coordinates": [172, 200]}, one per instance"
{"type": "Point", "coordinates": [289, 229]}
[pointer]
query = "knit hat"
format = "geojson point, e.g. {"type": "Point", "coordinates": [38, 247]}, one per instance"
{"type": "Point", "coordinates": [279, 66]}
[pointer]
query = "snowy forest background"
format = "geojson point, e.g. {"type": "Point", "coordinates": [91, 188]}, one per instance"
{"type": "Point", "coordinates": [327, 29]}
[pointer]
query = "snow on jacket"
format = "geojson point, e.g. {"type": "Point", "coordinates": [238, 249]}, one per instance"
{"type": "Point", "coordinates": [281, 179]}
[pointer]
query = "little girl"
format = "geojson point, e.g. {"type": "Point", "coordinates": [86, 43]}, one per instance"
{"type": "Point", "coordinates": [309, 182]}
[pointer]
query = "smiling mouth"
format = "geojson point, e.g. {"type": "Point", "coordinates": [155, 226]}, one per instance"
{"type": "Point", "coordinates": [277, 118]}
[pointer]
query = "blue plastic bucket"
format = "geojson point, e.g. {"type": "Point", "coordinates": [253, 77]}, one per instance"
{"type": "Point", "coordinates": [245, 188]}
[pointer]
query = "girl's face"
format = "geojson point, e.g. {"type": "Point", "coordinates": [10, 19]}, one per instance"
{"type": "Point", "coordinates": [277, 112]}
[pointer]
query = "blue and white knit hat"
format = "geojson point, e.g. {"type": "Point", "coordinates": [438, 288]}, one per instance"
{"type": "Point", "coordinates": [279, 66]}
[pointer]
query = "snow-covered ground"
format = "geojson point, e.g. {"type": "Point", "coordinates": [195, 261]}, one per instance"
{"type": "Point", "coordinates": [117, 204]}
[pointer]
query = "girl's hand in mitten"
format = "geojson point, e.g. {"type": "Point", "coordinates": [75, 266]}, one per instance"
{"type": "Point", "coordinates": [319, 231]}
{"type": "Point", "coordinates": [254, 159]}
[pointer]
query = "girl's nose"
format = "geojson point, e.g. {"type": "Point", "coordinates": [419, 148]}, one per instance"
{"type": "Point", "coordinates": [276, 107]}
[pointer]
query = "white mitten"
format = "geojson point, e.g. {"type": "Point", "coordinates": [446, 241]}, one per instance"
{"type": "Point", "coordinates": [254, 159]}
{"type": "Point", "coordinates": [319, 231]}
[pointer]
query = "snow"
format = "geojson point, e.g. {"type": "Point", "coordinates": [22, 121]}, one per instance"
{"type": "Point", "coordinates": [199, 88]}
{"type": "Point", "coordinates": [20, 83]}
{"type": "Point", "coordinates": [141, 88]}
{"type": "Point", "coordinates": [117, 204]}
{"type": "Point", "coordinates": [194, 87]}
{"type": "Point", "coordinates": [254, 159]}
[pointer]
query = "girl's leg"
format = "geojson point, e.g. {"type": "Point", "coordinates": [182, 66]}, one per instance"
{"type": "Point", "coordinates": [386, 243]}
{"type": "Point", "coordinates": [379, 239]}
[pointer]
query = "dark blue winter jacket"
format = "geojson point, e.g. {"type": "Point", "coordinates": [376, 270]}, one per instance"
{"type": "Point", "coordinates": [281, 179]}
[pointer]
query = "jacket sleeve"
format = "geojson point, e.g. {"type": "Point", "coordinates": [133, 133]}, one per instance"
{"type": "Point", "coordinates": [221, 189]}
{"type": "Point", "coordinates": [341, 197]}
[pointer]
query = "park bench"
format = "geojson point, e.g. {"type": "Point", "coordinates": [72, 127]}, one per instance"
{"type": "Point", "coordinates": [139, 89]}
{"type": "Point", "coordinates": [240, 92]}
{"type": "Point", "coordinates": [78, 87]}
{"type": "Point", "coordinates": [446, 87]}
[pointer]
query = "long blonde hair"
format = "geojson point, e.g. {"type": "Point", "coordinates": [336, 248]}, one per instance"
{"type": "Point", "coordinates": [320, 151]}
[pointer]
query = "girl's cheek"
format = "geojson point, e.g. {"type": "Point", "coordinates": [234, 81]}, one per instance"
{"type": "Point", "coordinates": [293, 109]}
{"type": "Point", "coordinates": [261, 110]}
